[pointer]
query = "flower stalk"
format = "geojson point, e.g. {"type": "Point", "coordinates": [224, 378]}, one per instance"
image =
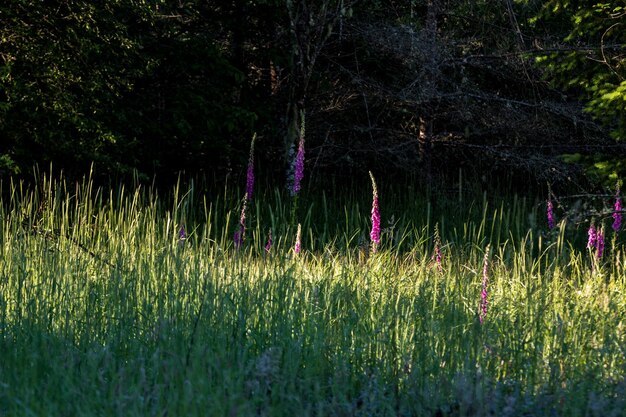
{"type": "Point", "coordinates": [239, 235]}
{"type": "Point", "coordinates": [298, 168]}
{"type": "Point", "coordinates": [268, 245]}
{"type": "Point", "coordinates": [241, 229]}
{"type": "Point", "coordinates": [592, 237]}
{"type": "Point", "coordinates": [250, 171]}
{"type": "Point", "coordinates": [375, 233]}
{"type": "Point", "coordinates": [298, 172]}
{"type": "Point", "coordinates": [550, 214]}
{"type": "Point", "coordinates": [600, 243]}
{"type": "Point", "coordinates": [298, 162]}
{"type": "Point", "coordinates": [182, 234]}
{"type": "Point", "coordinates": [617, 212]}
{"type": "Point", "coordinates": [437, 256]}
{"type": "Point", "coordinates": [483, 294]}
{"type": "Point", "coordinates": [298, 245]}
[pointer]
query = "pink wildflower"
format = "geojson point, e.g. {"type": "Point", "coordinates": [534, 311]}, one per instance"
{"type": "Point", "coordinates": [298, 167]}
{"type": "Point", "coordinates": [483, 294]}
{"type": "Point", "coordinates": [438, 258]}
{"type": "Point", "coordinates": [268, 245]}
{"type": "Point", "coordinates": [617, 212]}
{"type": "Point", "coordinates": [250, 172]}
{"type": "Point", "coordinates": [375, 233]}
{"type": "Point", "coordinates": [298, 246]}
{"type": "Point", "coordinates": [550, 213]}
{"type": "Point", "coordinates": [592, 237]}
{"type": "Point", "coordinates": [600, 244]}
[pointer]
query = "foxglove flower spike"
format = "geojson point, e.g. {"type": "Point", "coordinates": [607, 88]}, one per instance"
{"type": "Point", "coordinates": [375, 233]}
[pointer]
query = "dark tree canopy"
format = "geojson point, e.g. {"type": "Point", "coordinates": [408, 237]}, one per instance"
{"type": "Point", "coordinates": [129, 85]}
{"type": "Point", "coordinates": [422, 86]}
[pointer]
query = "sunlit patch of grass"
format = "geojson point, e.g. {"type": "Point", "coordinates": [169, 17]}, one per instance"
{"type": "Point", "coordinates": [105, 311]}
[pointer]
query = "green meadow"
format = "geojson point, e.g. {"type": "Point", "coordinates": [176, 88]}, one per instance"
{"type": "Point", "coordinates": [106, 311]}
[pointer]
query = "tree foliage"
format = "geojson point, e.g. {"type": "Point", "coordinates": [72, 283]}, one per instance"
{"type": "Point", "coordinates": [589, 55]}
{"type": "Point", "coordinates": [433, 86]}
{"type": "Point", "coordinates": [420, 86]}
{"type": "Point", "coordinates": [125, 84]}
{"type": "Point", "coordinates": [585, 55]}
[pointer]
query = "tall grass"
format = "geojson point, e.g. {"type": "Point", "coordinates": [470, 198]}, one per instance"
{"type": "Point", "coordinates": [104, 311]}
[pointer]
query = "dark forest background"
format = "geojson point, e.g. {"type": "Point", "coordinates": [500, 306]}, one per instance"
{"type": "Point", "coordinates": [534, 90]}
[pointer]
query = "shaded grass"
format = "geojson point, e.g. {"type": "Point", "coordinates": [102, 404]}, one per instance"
{"type": "Point", "coordinates": [103, 311]}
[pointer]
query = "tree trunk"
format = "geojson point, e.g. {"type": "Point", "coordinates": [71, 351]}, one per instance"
{"type": "Point", "coordinates": [425, 147]}
{"type": "Point", "coordinates": [429, 89]}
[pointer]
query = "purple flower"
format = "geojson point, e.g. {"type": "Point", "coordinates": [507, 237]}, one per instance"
{"type": "Point", "coordinates": [600, 244]}
{"type": "Point", "coordinates": [592, 234]}
{"type": "Point", "coordinates": [617, 213]}
{"type": "Point", "coordinates": [596, 240]}
{"type": "Point", "coordinates": [550, 212]}
{"type": "Point", "coordinates": [483, 294]}
{"type": "Point", "coordinates": [250, 173]}
{"type": "Point", "coordinates": [298, 167]}
{"type": "Point", "coordinates": [268, 245]}
{"type": "Point", "coordinates": [375, 233]}
{"type": "Point", "coordinates": [182, 233]}
{"type": "Point", "coordinates": [438, 257]}
{"type": "Point", "coordinates": [241, 230]}
{"type": "Point", "coordinates": [298, 246]}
